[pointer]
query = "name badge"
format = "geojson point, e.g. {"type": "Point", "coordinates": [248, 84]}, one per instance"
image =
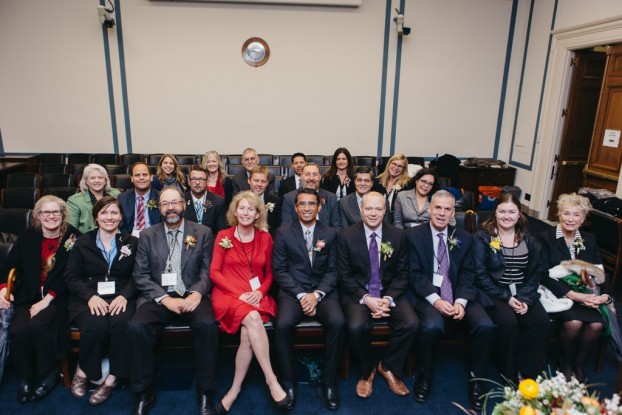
{"type": "Point", "coordinates": [437, 280]}
{"type": "Point", "coordinates": [255, 284]}
{"type": "Point", "coordinates": [105, 288]}
{"type": "Point", "coordinates": [169, 278]}
{"type": "Point", "coordinates": [513, 289]}
{"type": "Point", "coordinates": [136, 233]}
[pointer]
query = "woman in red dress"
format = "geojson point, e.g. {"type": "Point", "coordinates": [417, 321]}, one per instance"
{"type": "Point", "coordinates": [241, 271]}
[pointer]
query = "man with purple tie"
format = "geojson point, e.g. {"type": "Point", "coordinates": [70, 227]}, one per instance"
{"type": "Point", "coordinates": [442, 283]}
{"type": "Point", "coordinates": [372, 264]}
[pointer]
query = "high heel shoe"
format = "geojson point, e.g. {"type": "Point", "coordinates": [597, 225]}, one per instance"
{"type": "Point", "coordinates": [284, 404]}
{"type": "Point", "coordinates": [220, 408]}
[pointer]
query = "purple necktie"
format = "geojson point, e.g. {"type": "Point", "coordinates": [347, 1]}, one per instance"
{"type": "Point", "coordinates": [443, 269]}
{"type": "Point", "coordinates": [374, 280]}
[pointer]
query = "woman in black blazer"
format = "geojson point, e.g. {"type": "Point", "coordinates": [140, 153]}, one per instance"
{"type": "Point", "coordinates": [40, 329]}
{"type": "Point", "coordinates": [582, 324]}
{"type": "Point", "coordinates": [392, 180]}
{"type": "Point", "coordinates": [102, 299]}
{"type": "Point", "coordinates": [509, 268]}
{"type": "Point", "coordinates": [339, 179]}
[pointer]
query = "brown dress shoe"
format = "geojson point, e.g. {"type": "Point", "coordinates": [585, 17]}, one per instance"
{"type": "Point", "coordinates": [395, 383]}
{"type": "Point", "coordinates": [365, 387]}
{"type": "Point", "coordinates": [101, 394]}
{"type": "Point", "coordinates": [79, 386]}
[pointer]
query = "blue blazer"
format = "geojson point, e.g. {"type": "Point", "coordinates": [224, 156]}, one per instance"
{"type": "Point", "coordinates": [329, 215]}
{"type": "Point", "coordinates": [128, 208]}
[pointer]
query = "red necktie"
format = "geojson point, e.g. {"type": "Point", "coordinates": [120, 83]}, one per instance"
{"type": "Point", "coordinates": [140, 214]}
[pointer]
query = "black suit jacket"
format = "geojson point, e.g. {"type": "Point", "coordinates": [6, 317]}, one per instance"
{"type": "Point", "coordinates": [240, 183]}
{"type": "Point", "coordinates": [287, 185]}
{"type": "Point", "coordinates": [423, 260]}
{"type": "Point", "coordinates": [214, 212]}
{"type": "Point", "coordinates": [87, 266]}
{"type": "Point", "coordinates": [353, 264]}
{"type": "Point", "coordinates": [332, 184]}
{"type": "Point", "coordinates": [292, 269]}
{"type": "Point", "coordinates": [554, 251]}
{"type": "Point", "coordinates": [128, 209]}
{"type": "Point", "coordinates": [274, 216]}
{"type": "Point", "coordinates": [329, 214]}
{"type": "Point", "coordinates": [25, 257]}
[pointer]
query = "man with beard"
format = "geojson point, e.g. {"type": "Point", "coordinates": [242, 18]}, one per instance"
{"type": "Point", "coordinates": [171, 274]}
{"type": "Point", "coordinates": [204, 207]}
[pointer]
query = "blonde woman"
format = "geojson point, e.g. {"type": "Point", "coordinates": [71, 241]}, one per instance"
{"type": "Point", "coordinates": [217, 180]}
{"type": "Point", "coordinates": [392, 180]}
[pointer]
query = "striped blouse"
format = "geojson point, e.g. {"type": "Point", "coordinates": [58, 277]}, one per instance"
{"type": "Point", "coordinates": [516, 260]}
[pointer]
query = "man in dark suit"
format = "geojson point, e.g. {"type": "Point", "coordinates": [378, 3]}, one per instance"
{"type": "Point", "coordinates": [202, 206]}
{"type": "Point", "coordinates": [240, 181]}
{"type": "Point", "coordinates": [294, 181]}
{"type": "Point", "coordinates": [372, 262]}
{"type": "Point", "coordinates": [442, 278]}
{"type": "Point", "coordinates": [350, 206]}
{"type": "Point", "coordinates": [171, 274]}
{"type": "Point", "coordinates": [304, 263]}
{"type": "Point", "coordinates": [140, 204]}
{"type": "Point", "coordinates": [258, 182]}
{"type": "Point", "coordinates": [311, 178]}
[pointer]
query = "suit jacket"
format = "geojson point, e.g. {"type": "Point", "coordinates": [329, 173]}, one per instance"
{"type": "Point", "coordinates": [554, 251]}
{"type": "Point", "coordinates": [214, 211]}
{"type": "Point", "coordinates": [240, 183]}
{"type": "Point", "coordinates": [287, 185]}
{"type": "Point", "coordinates": [152, 255]}
{"type": "Point", "coordinates": [350, 213]}
{"type": "Point", "coordinates": [489, 267]}
{"type": "Point", "coordinates": [423, 261]}
{"type": "Point", "coordinates": [128, 209]}
{"type": "Point", "coordinates": [329, 214]}
{"type": "Point", "coordinates": [353, 263]}
{"type": "Point", "coordinates": [293, 271]}
{"type": "Point", "coordinates": [274, 216]}
{"type": "Point", "coordinates": [87, 266]}
{"type": "Point", "coordinates": [333, 184]}
{"type": "Point", "coordinates": [25, 257]}
{"type": "Point", "coordinates": [80, 210]}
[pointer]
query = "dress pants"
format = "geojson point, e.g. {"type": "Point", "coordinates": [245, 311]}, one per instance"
{"type": "Point", "coordinates": [520, 338]}
{"type": "Point", "coordinates": [146, 325]}
{"type": "Point", "coordinates": [99, 334]}
{"type": "Point", "coordinates": [34, 341]}
{"type": "Point", "coordinates": [404, 325]}
{"type": "Point", "coordinates": [481, 336]}
{"type": "Point", "coordinates": [289, 314]}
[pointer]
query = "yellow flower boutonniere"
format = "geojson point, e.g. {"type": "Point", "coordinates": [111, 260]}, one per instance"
{"type": "Point", "coordinates": [495, 243]}
{"type": "Point", "coordinates": [152, 204]}
{"type": "Point", "coordinates": [386, 249]}
{"type": "Point", "coordinates": [226, 243]}
{"type": "Point", "coordinates": [190, 241]}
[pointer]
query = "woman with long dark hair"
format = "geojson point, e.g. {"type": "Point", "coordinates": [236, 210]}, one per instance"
{"type": "Point", "coordinates": [339, 179]}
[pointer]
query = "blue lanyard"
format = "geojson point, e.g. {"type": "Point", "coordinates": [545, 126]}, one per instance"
{"type": "Point", "coordinates": [108, 256]}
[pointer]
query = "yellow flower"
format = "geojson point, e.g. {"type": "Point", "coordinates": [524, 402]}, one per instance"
{"type": "Point", "coordinates": [495, 243]}
{"type": "Point", "coordinates": [528, 388]}
{"type": "Point", "coordinates": [527, 410]}
{"type": "Point", "coordinates": [589, 401]}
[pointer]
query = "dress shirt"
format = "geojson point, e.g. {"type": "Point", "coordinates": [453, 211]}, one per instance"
{"type": "Point", "coordinates": [304, 231]}
{"type": "Point", "coordinates": [433, 297]}
{"type": "Point", "coordinates": [145, 202]}
{"type": "Point", "coordinates": [368, 233]}
{"type": "Point", "coordinates": [180, 247]}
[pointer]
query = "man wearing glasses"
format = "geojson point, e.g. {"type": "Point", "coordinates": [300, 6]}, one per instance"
{"type": "Point", "coordinates": [240, 181]}
{"type": "Point", "coordinates": [202, 206]}
{"type": "Point", "coordinates": [171, 274]}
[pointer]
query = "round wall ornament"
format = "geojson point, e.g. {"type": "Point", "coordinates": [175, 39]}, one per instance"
{"type": "Point", "coordinates": [255, 51]}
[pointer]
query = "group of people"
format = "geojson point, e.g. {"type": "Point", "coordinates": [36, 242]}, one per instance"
{"type": "Point", "coordinates": [121, 267]}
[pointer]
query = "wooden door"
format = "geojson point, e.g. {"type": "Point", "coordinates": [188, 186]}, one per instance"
{"type": "Point", "coordinates": [579, 119]}
{"type": "Point", "coordinates": [605, 159]}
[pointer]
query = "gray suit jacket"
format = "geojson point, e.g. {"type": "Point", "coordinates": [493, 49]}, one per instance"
{"type": "Point", "coordinates": [329, 215]}
{"type": "Point", "coordinates": [152, 255]}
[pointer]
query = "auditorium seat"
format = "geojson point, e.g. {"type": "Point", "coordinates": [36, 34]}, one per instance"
{"type": "Point", "coordinates": [369, 161]}
{"type": "Point", "coordinates": [55, 158]}
{"type": "Point", "coordinates": [266, 159]}
{"type": "Point", "coordinates": [64, 192]}
{"type": "Point", "coordinates": [78, 158]}
{"type": "Point", "coordinates": [22, 179]}
{"type": "Point", "coordinates": [275, 170]}
{"type": "Point", "coordinates": [14, 221]}
{"type": "Point", "coordinates": [121, 181]}
{"type": "Point", "coordinates": [53, 168]}
{"type": "Point", "coordinates": [317, 159]}
{"type": "Point", "coordinates": [130, 158]}
{"type": "Point", "coordinates": [154, 159]}
{"type": "Point", "coordinates": [5, 248]}
{"type": "Point", "coordinates": [285, 160]}
{"type": "Point", "coordinates": [233, 169]}
{"type": "Point", "coordinates": [76, 169]}
{"type": "Point", "coordinates": [20, 197]}
{"type": "Point", "coordinates": [186, 160]}
{"type": "Point", "coordinates": [185, 169]}
{"type": "Point", "coordinates": [104, 158]}
{"type": "Point", "coordinates": [56, 180]}
{"type": "Point", "coordinates": [234, 159]}
{"type": "Point", "coordinates": [117, 168]}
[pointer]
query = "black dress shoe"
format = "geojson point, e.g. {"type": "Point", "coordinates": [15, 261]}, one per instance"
{"type": "Point", "coordinates": [205, 400]}
{"type": "Point", "coordinates": [285, 403]}
{"type": "Point", "coordinates": [291, 394]}
{"type": "Point", "coordinates": [329, 397]}
{"type": "Point", "coordinates": [24, 392]}
{"type": "Point", "coordinates": [144, 402]}
{"type": "Point", "coordinates": [476, 394]}
{"type": "Point", "coordinates": [47, 384]}
{"type": "Point", "coordinates": [220, 408]}
{"type": "Point", "coordinates": [421, 389]}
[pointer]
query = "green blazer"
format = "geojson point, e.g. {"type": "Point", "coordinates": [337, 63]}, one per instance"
{"type": "Point", "coordinates": [81, 210]}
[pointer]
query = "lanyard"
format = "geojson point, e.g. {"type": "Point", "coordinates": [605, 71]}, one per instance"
{"type": "Point", "coordinates": [108, 255]}
{"type": "Point", "coordinates": [248, 261]}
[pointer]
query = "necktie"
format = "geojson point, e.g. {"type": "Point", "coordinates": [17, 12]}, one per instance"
{"type": "Point", "coordinates": [374, 280]}
{"type": "Point", "coordinates": [443, 269]}
{"type": "Point", "coordinates": [175, 258]}
{"type": "Point", "coordinates": [309, 241]}
{"type": "Point", "coordinates": [198, 207]}
{"type": "Point", "coordinates": [299, 184]}
{"type": "Point", "coordinates": [140, 213]}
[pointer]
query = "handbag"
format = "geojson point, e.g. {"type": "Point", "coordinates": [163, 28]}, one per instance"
{"type": "Point", "coordinates": [551, 303]}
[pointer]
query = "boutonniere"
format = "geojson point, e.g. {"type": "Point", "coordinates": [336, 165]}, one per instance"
{"type": "Point", "coordinates": [69, 242]}
{"type": "Point", "coordinates": [397, 187]}
{"type": "Point", "coordinates": [226, 243]}
{"type": "Point", "coordinates": [208, 204]}
{"type": "Point", "coordinates": [453, 241]}
{"type": "Point", "coordinates": [386, 249]}
{"type": "Point", "coordinates": [346, 181]}
{"type": "Point", "coordinates": [579, 245]}
{"type": "Point", "coordinates": [322, 200]}
{"type": "Point", "coordinates": [152, 204]}
{"type": "Point", "coordinates": [495, 243]}
{"type": "Point", "coordinates": [190, 241]}
{"type": "Point", "coordinates": [319, 245]}
{"type": "Point", "coordinates": [270, 207]}
{"type": "Point", "coordinates": [125, 251]}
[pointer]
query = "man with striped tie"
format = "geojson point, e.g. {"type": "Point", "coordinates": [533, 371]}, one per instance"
{"type": "Point", "coordinates": [140, 204]}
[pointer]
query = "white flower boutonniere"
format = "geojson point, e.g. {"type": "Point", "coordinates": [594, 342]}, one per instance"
{"type": "Point", "coordinates": [270, 207]}
{"type": "Point", "coordinates": [70, 242]}
{"type": "Point", "coordinates": [386, 249]}
{"type": "Point", "coordinates": [125, 252]}
{"type": "Point", "coordinates": [190, 241]}
{"type": "Point", "coordinates": [226, 243]}
{"type": "Point", "coordinates": [396, 187]}
{"type": "Point", "coordinates": [579, 245]}
{"type": "Point", "coordinates": [453, 241]}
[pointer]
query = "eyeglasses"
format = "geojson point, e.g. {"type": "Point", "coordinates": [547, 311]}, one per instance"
{"type": "Point", "coordinates": [170, 204]}
{"type": "Point", "coordinates": [249, 159]}
{"type": "Point", "coordinates": [306, 204]}
{"type": "Point", "coordinates": [397, 165]}
{"type": "Point", "coordinates": [363, 180]}
{"type": "Point", "coordinates": [426, 183]}
{"type": "Point", "coordinates": [47, 213]}
{"type": "Point", "coordinates": [197, 179]}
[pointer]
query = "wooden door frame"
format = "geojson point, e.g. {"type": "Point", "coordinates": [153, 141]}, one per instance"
{"type": "Point", "coordinates": [565, 42]}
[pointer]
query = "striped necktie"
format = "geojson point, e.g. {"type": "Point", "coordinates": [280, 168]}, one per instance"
{"type": "Point", "coordinates": [140, 214]}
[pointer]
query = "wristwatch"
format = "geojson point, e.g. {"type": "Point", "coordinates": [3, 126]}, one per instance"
{"type": "Point", "coordinates": [318, 296]}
